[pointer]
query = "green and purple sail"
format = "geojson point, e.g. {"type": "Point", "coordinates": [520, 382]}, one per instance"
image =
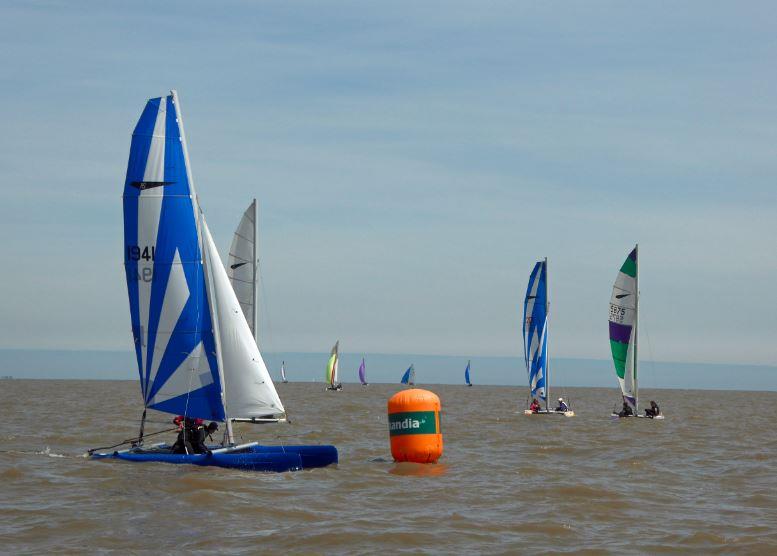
{"type": "Point", "coordinates": [623, 326]}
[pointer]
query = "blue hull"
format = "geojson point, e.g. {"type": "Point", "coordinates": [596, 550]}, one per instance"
{"type": "Point", "coordinates": [253, 457]}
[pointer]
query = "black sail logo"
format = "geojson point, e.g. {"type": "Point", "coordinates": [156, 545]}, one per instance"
{"type": "Point", "coordinates": [236, 265]}
{"type": "Point", "coordinates": [143, 185]}
{"type": "Point", "coordinates": [622, 295]}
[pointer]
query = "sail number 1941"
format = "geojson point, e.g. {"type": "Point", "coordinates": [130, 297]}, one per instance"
{"type": "Point", "coordinates": [135, 253]}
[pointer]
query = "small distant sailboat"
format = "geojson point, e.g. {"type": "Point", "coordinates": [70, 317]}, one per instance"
{"type": "Point", "coordinates": [283, 372]}
{"type": "Point", "coordinates": [362, 377]}
{"type": "Point", "coordinates": [535, 339]}
{"type": "Point", "coordinates": [466, 375]}
{"type": "Point", "coordinates": [409, 376]}
{"type": "Point", "coordinates": [331, 368]}
{"type": "Point", "coordinates": [624, 331]}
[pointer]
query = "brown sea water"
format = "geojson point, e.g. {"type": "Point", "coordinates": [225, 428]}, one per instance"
{"type": "Point", "coordinates": [702, 480]}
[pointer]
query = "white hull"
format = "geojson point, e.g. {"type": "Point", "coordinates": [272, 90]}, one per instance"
{"type": "Point", "coordinates": [569, 413]}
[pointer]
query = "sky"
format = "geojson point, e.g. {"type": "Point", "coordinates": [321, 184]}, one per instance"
{"type": "Point", "coordinates": [412, 160]}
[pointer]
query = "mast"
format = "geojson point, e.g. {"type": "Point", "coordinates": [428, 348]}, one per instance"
{"type": "Point", "coordinates": [198, 216]}
{"type": "Point", "coordinates": [636, 330]}
{"type": "Point", "coordinates": [547, 350]}
{"type": "Point", "coordinates": [256, 277]}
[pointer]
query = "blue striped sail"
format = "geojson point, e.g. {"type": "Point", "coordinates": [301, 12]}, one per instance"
{"type": "Point", "coordinates": [169, 310]}
{"type": "Point", "coordinates": [535, 330]}
{"type": "Point", "coordinates": [409, 376]}
{"type": "Point", "coordinates": [466, 375]}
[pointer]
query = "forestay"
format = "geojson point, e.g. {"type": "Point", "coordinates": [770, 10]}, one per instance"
{"type": "Point", "coordinates": [535, 330]}
{"type": "Point", "coordinates": [170, 314]}
{"type": "Point", "coordinates": [623, 315]}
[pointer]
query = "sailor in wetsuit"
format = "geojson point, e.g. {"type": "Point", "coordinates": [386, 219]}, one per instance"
{"type": "Point", "coordinates": [535, 406]}
{"type": "Point", "coordinates": [653, 410]}
{"type": "Point", "coordinates": [562, 406]}
{"type": "Point", "coordinates": [200, 434]}
{"type": "Point", "coordinates": [626, 411]}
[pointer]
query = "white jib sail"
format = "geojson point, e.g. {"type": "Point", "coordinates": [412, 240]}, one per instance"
{"type": "Point", "coordinates": [242, 266]}
{"type": "Point", "coordinates": [248, 388]}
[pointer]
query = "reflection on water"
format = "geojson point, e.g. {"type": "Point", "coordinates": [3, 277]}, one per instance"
{"type": "Point", "coordinates": [409, 469]}
{"type": "Point", "coordinates": [703, 480]}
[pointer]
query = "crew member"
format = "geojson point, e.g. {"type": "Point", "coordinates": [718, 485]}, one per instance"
{"type": "Point", "coordinates": [653, 410]}
{"type": "Point", "coordinates": [201, 432]}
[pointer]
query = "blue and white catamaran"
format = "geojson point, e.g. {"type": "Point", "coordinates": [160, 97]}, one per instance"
{"type": "Point", "coordinates": [536, 307]}
{"type": "Point", "coordinates": [196, 353]}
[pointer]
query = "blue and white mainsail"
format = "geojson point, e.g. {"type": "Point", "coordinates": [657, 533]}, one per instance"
{"type": "Point", "coordinates": [169, 308]}
{"type": "Point", "coordinates": [535, 330]}
{"type": "Point", "coordinates": [466, 375]}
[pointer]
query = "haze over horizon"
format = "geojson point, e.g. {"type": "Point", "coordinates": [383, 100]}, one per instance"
{"type": "Point", "coordinates": [411, 162]}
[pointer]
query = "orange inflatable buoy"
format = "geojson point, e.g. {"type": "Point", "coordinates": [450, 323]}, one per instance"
{"type": "Point", "coordinates": [414, 426]}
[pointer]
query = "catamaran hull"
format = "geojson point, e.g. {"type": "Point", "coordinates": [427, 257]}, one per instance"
{"type": "Point", "coordinates": [543, 412]}
{"type": "Point", "coordinates": [253, 457]}
{"type": "Point", "coordinates": [616, 416]}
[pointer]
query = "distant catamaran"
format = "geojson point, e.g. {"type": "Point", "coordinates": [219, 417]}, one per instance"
{"type": "Point", "coordinates": [409, 376]}
{"type": "Point", "coordinates": [624, 329]}
{"type": "Point", "coordinates": [283, 372]}
{"type": "Point", "coordinates": [331, 368]}
{"type": "Point", "coordinates": [466, 375]}
{"type": "Point", "coordinates": [362, 377]}
{"type": "Point", "coordinates": [535, 338]}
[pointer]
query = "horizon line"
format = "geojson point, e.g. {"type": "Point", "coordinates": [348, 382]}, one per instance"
{"type": "Point", "coordinates": [364, 353]}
